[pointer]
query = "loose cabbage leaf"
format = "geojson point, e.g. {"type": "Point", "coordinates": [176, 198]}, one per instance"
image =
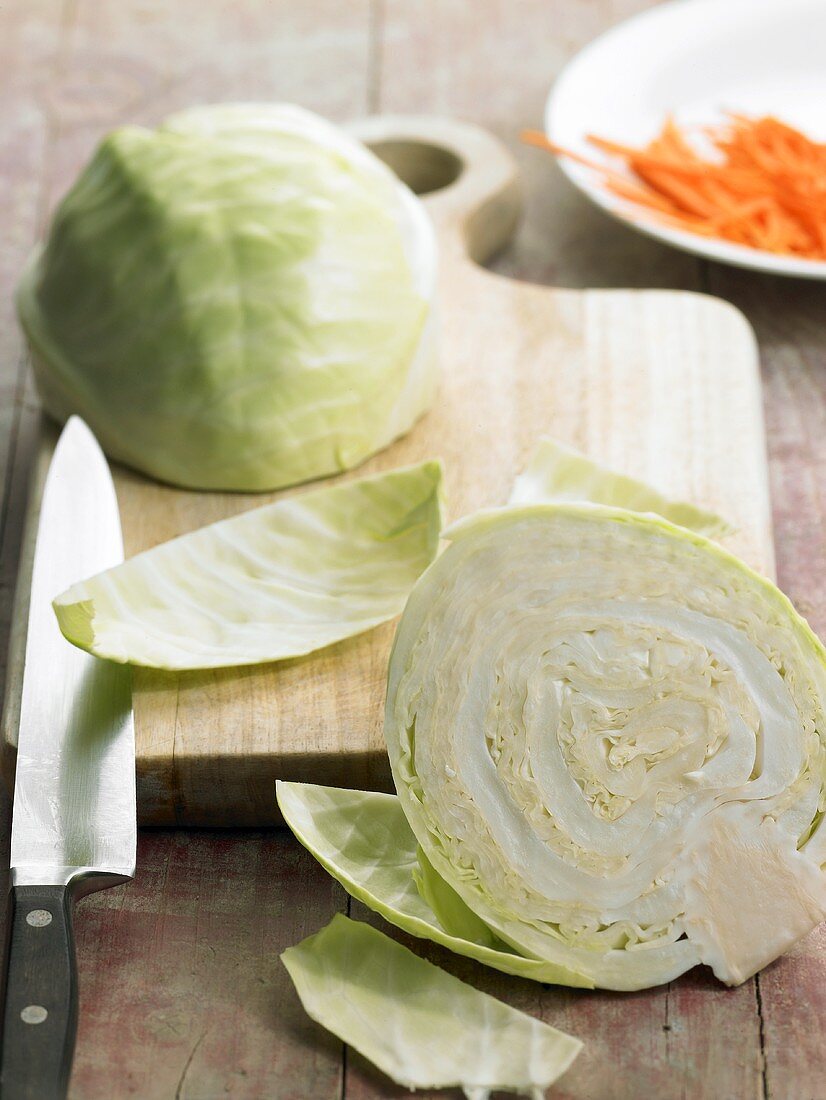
{"type": "Point", "coordinates": [364, 841]}
{"type": "Point", "coordinates": [418, 1024]}
{"type": "Point", "coordinates": [608, 736]}
{"type": "Point", "coordinates": [558, 473]}
{"type": "Point", "coordinates": [240, 299]}
{"type": "Point", "coordinates": [276, 582]}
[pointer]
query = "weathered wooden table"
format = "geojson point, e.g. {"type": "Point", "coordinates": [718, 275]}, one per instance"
{"type": "Point", "coordinates": [182, 993]}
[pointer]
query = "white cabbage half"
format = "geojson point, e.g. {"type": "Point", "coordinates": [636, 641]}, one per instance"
{"type": "Point", "coordinates": [241, 299]}
{"type": "Point", "coordinates": [607, 735]}
{"type": "Point", "coordinates": [419, 1024]}
{"type": "Point", "coordinates": [276, 582]}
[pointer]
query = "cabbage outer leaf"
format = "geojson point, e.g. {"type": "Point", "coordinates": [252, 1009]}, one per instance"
{"type": "Point", "coordinates": [607, 734]}
{"type": "Point", "coordinates": [363, 840]}
{"type": "Point", "coordinates": [276, 582]}
{"type": "Point", "coordinates": [557, 473]}
{"type": "Point", "coordinates": [418, 1024]}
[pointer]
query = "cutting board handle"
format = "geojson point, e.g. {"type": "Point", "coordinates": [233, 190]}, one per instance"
{"type": "Point", "coordinates": [467, 178]}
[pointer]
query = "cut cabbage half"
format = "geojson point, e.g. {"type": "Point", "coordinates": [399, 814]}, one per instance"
{"type": "Point", "coordinates": [241, 299]}
{"type": "Point", "coordinates": [607, 735]}
{"type": "Point", "coordinates": [276, 582]}
{"type": "Point", "coordinates": [419, 1024]}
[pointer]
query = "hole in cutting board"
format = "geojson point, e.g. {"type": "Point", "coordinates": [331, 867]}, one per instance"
{"type": "Point", "coordinates": [423, 167]}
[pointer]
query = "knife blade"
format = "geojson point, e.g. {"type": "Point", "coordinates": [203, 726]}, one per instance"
{"type": "Point", "coordinates": [74, 813]}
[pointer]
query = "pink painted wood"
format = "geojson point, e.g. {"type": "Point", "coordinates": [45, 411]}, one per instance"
{"type": "Point", "coordinates": [182, 991]}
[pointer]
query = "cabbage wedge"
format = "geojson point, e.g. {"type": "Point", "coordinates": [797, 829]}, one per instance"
{"type": "Point", "coordinates": [607, 735]}
{"type": "Point", "coordinates": [417, 1023]}
{"type": "Point", "coordinates": [241, 299]}
{"type": "Point", "coordinates": [276, 582]}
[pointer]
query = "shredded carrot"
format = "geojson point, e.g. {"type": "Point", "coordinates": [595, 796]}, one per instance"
{"type": "Point", "coordinates": [763, 185]}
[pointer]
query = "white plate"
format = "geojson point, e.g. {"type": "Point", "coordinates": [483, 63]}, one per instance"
{"type": "Point", "coordinates": [695, 59]}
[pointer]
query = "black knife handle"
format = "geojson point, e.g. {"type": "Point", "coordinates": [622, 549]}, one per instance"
{"type": "Point", "coordinates": [40, 1019]}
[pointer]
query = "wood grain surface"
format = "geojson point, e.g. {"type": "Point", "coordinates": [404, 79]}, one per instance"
{"type": "Point", "coordinates": [182, 994]}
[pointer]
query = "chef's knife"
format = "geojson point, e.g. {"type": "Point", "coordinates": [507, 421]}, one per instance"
{"type": "Point", "coordinates": [74, 818]}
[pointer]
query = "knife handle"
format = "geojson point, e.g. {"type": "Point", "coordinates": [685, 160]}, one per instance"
{"type": "Point", "coordinates": [40, 1018]}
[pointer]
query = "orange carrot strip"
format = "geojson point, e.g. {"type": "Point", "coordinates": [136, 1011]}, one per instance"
{"type": "Point", "coordinates": [763, 185]}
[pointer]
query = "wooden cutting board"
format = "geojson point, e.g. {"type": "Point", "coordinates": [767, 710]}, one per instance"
{"type": "Point", "coordinates": [660, 385]}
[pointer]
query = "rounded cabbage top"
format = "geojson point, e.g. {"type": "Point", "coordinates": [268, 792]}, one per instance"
{"type": "Point", "coordinates": [240, 299]}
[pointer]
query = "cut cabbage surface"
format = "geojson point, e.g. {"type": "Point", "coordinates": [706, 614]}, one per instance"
{"type": "Point", "coordinates": [418, 1024]}
{"type": "Point", "coordinates": [607, 735]}
{"type": "Point", "coordinates": [241, 299]}
{"type": "Point", "coordinates": [276, 582]}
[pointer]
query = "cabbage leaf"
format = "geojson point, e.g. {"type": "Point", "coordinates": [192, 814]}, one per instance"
{"type": "Point", "coordinates": [417, 1023]}
{"type": "Point", "coordinates": [363, 840]}
{"type": "Point", "coordinates": [275, 582]}
{"type": "Point", "coordinates": [556, 473]}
